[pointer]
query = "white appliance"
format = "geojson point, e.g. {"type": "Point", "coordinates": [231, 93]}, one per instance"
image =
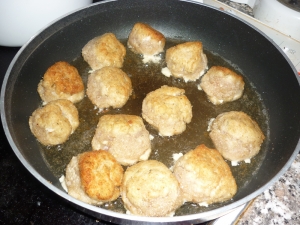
{"type": "Point", "coordinates": [282, 15]}
{"type": "Point", "coordinates": [278, 19]}
{"type": "Point", "coordinates": [21, 19]}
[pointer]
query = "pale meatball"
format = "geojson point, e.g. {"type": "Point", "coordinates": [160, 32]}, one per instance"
{"type": "Point", "coordinates": [186, 61]}
{"type": "Point", "coordinates": [222, 85]}
{"type": "Point", "coordinates": [61, 81]}
{"type": "Point", "coordinates": [168, 110]}
{"type": "Point", "coordinates": [204, 176]}
{"type": "Point", "coordinates": [105, 50]}
{"type": "Point", "coordinates": [149, 188]}
{"type": "Point", "coordinates": [55, 122]}
{"type": "Point", "coordinates": [236, 136]}
{"type": "Point", "coordinates": [124, 136]}
{"type": "Point", "coordinates": [94, 177]}
{"type": "Point", "coordinates": [145, 40]}
{"type": "Point", "coordinates": [109, 87]}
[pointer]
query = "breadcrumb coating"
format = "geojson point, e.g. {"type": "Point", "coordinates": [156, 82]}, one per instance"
{"type": "Point", "coordinates": [186, 60]}
{"type": "Point", "coordinates": [149, 188]}
{"type": "Point", "coordinates": [109, 87]}
{"type": "Point", "coordinates": [168, 110]}
{"type": "Point", "coordinates": [124, 136]}
{"type": "Point", "coordinates": [145, 40]}
{"type": "Point", "coordinates": [94, 177]}
{"type": "Point", "coordinates": [204, 176]}
{"type": "Point", "coordinates": [104, 50]}
{"type": "Point", "coordinates": [61, 81]}
{"type": "Point", "coordinates": [222, 85]}
{"type": "Point", "coordinates": [53, 123]}
{"type": "Point", "coordinates": [236, 136]}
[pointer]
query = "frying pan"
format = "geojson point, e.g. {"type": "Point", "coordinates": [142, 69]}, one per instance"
{"type": "Point", "coordinates": [260, 60]}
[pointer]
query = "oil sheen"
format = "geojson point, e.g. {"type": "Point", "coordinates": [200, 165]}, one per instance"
{"type": "Point", "coordinates": [146, 78]}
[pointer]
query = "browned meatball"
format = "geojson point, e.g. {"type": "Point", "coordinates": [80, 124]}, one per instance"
{"type": "Point", "coordinates": [124, 136]}
{"type": "Point", "coordinates": [204, 176]}
{"type": "Point", "coordinates": [150, 189]}
{"type": "Point", "coordinates": [145, 40]}
{"type": "Point", "coordinates": [236, 136]}
{"type": "Point", "coordinates": [109, 87]}
{"type": "Point", "coordinates": [186, 61]}
{"type": "Point", "coordinates": [55, 122]}
{"type": "Point", "coordinates": [94, 177]}
{"type": "Point", "coordinates": [104, 50]}
{"type": "Point", "coordinates": [222, 85]}
{"type": "Point", "coordinates": [61, 81]}
{"type": "Point", "coordinates": [168, 110]}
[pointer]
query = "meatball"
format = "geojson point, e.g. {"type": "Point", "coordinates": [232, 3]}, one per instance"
{"type": "Point", "coordinates": [94, 177]}
{"type": "Point", "coordinates": [222, 85]}
{"type": "Point", "coordinates": [204, 176]}
{"type": "Point", "coordinates": [124, 136]}
{"type": "Point", "coordinates": [145, 40]}
{"type": "Point", "coordinates": [186, 61]}
{"type": "Point", "coordinates": [109, 86]}
{"type": "Point", "coordinates": [168, 110]}
{"type": "Point", "coordinates": [61, 81]}
{"type": "Point", "coordinates": [236, 136]}
{"type": "Point", "coordinates": [149, 188]}
{"type": "Point", "coordinates": [55, 122]}
{"type": "Point", "coordinates": [105, 50]}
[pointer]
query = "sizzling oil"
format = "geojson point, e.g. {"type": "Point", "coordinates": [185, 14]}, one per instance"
{"type": "Point", "coordinates": [146, 78]}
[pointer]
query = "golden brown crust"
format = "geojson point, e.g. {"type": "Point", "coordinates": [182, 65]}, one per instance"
{"type": "Point", "coordinates": [61, 81]}
{"type": "Point", "coordinates": [168, 110]}
{"type": "Point", "coordinates": [222, 85]}
{"type": "Point", "coordinates": [124, 136]}
{"type": "Point", "coordinates": [104, 50]}
{"type": "Point", "coordinates": [204, 176]}
{"type": "Point", "coordinates": [236, 136]}
{"type": "Point", "coordinates": [186, 60]}
{"type": "Point", "coordinates": [150, 189]}
{"type": "Point", "coordinates": [145, 40]}
{"type": "Point", "coordinates": [109, 86]}
{"type": "Point", "coordinates": [101, 175]}
{"type": "Point", "coordinates": [73, 183]}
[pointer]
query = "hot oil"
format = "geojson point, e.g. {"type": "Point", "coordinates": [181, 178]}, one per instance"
{"type": "Point", "coordinates": [146, 78]}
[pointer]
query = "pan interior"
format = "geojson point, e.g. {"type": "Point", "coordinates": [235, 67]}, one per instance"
{"type": "Point", "coordinates": [146, 78]}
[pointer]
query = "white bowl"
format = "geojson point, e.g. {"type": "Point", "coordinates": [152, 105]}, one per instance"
{"type": "Point", "coordinates": [20, 19]}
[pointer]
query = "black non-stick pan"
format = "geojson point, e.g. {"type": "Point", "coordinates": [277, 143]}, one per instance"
{"type": "Point", "coordinates": [264, 66]}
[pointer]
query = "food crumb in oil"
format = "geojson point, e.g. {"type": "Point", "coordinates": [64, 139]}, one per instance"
{"type": "Point", "coordinates": [204, 204]}
{"type": "Point", "coordinates": [165, 71]}
{"type": "Point", "coordinates": [199, 87]}
{"type": "Point", "coordinates": [176, 156]}
{"type": "Point", "coordinates": [234, 163]}
{"type": "Point", "coordinates": [210, 123]}
{"type": "Point", "coordinates": [247, 160]}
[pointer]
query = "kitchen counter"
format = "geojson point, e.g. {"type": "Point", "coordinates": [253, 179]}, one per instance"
{"type": "Point", "coordinates": [279, 204]}
{"type": "Point", "coordinates": [24, 200]}
{"type": "Point", "coordinates": [241, 7]}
